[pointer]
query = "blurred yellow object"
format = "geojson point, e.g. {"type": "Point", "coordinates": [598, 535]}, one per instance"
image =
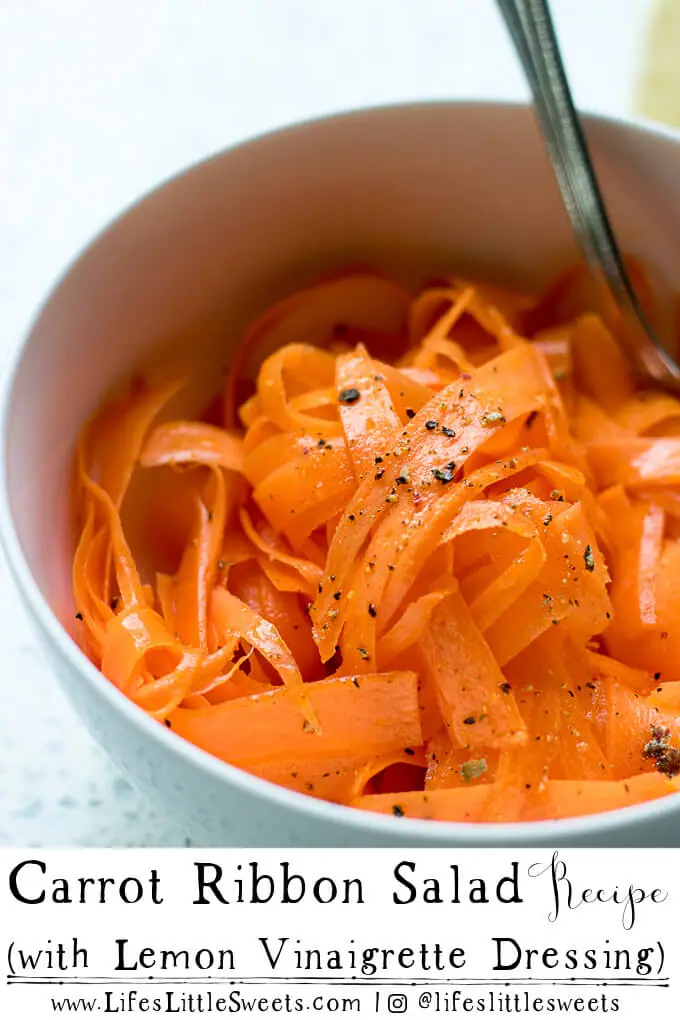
{"type": "Point", "coordinates": [658, 95]}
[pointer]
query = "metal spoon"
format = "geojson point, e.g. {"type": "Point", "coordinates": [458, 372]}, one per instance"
{"type": "Point", "coordinates": [533, 34]}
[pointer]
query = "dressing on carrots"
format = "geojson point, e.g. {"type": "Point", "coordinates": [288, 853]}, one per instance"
{"type": "Point", "coordinates": [424, 560]}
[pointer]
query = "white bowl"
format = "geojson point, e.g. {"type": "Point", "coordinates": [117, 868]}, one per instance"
{"type": "Point", "coordinates": [416, 189]}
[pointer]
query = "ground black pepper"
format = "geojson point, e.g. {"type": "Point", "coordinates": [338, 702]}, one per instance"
{"type": "Point", "coordinates": [349, 396]}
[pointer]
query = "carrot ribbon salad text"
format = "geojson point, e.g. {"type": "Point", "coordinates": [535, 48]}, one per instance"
{"type": "Point", "coordinates": [426, 563]}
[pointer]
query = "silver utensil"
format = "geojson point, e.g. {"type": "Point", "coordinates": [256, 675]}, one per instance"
{"type": "Point", "coordinates": [532, 31]}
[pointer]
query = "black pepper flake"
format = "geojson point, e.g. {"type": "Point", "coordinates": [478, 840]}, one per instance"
{"type": "Point", "coordinates": [589, 559]}
{"type": "Point", "coordinates": [390, 566]}
{"type": "Point", "coordinates": [470, 720]}
{"type": "Point", "coordinates": [410, 413]}
{"type": "Point", "coordinates": [210, 515]}
{"type": "Point", "coordinates": [557, 495]}
{"type": "Point", "coordinates": [356, 683]}
{"type": "Point", "coordinates": [322, 442]}
{"type": "Point", "coordinates": [397, 811]}
{"type": "Point", "coordinates": [168, 724]}
{"type": "Point", "coordinates": [337, 595]}
{"type": "Point", "coordinates": [349, 396]}
{"type": "Point", "coordinates": [505, 687]}
{"type": "Point", "coordinates": [351, 517]}
{"type": "Point", "coordinates": [79, 616]}
{"type": "Point", "coordinates": [531, 419]}
{"type": "Point", "coordinates": [443, 475]}
{"type": "Point", "coordinates": [362, 653]}
{"type": "Point", "coordinates": [547, 520]}
{"type": "Point", "coordinates": [448, 432]}
{"type": "Point", "coordinates": [409, 750]}
{"type": "Point", "coordinates": [657, 676]}
{"type": "Point", "coordinates": [431, 424]}
{"type": "Point", "coordinates": [378, 460]}
{"type": "Point", "coordinates": [372, 611]}
{"type": "Point", "coordinates": [379, 475]}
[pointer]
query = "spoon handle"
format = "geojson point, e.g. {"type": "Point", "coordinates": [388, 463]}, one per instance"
{"type": "Point", "coordinates": [532, 31]}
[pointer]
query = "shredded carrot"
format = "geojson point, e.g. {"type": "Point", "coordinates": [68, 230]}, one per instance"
{"type": "Point", "coordinates": [429, 565]}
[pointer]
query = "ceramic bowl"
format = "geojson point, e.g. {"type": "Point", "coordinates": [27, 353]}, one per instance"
{"type": "Point", "coordinates": [415, 189]}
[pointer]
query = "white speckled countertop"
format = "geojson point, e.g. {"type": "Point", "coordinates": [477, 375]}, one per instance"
{"type": "Point", "coordinates": [98, 102]}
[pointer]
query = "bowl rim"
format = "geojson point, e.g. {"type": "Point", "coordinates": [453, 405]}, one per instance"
{"type": "Point", "coordinates": [354, 821]}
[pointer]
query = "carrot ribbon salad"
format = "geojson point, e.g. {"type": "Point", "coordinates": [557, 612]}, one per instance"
{"type": "Point", "coordinates": [421, 557]}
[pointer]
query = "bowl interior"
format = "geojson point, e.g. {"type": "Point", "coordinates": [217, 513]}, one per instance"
{"type": "Point", "coordinates": [414, 190]}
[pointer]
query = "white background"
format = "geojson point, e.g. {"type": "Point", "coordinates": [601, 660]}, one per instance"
{"type": "Point", "coordinates": [377, 922]}
{"type": "Point", "coordinates": [98, 102]}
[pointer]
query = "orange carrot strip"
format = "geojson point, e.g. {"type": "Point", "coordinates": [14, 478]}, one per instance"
{"type": "Point", "coordinates": [470, 686]}
{"type": "Point", "coordinates": [465, 804]}
{"type": "Point", "coordinates": [118, 435]}
{"type": "Point", "coordinates": [650, 553]}
{"type": "Point", "coordinates": [369, 420]}
{"type": "Point", "coordinates": [636, 462]}
{"type": "Point", "coordinates": [310, 573]}
{"type": "Point", "coordinates": [378, 713]}
{"type": "Point", "coordinates": [231, 614]}
{"type": "Point", "coordinates": [601, 368]}
{"type": "Point", "coordinates": [336, 779]}
{"type": "Point", "coordinates": [190, 442]}
{"type": "Point", "coordinates": [507, 587]}
{"type": "Point", "coordinates": [133, 637]}
{"type": "Point", "coordinates": [409, 628]}
{"type": "Point", "coordinates": [196, 575]}
{"type": "Point", "coordinates": [647, 410]}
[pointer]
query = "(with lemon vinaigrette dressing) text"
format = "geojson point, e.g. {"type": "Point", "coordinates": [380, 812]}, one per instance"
{"type": "Point", "coordinates": [423, 564]}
